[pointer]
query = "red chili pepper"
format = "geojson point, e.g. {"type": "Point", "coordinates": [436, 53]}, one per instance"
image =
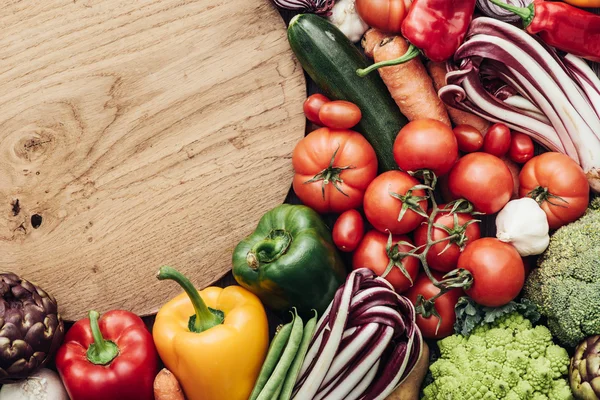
{"type": "Point", "coordinates": [436, 27]}
{"type": "Point", "coordinates": [561, 25]}
{"type": "Point", "coordinates": [111, 358]}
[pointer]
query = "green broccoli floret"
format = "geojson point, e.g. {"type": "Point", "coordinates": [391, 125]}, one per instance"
{"type": "Point", "coordinates": [566, 286]}
{"type": "Point", "coordinates": [508, 359]}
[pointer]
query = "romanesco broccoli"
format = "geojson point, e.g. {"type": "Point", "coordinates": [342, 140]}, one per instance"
{"type": "Point", "coordinates": [509, 359]}
{"type": "Point", "coordinates": [566, 286]}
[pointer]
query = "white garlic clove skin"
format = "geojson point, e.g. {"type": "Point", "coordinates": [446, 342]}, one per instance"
{"type": "Point", "coordinates": [344, 16]}
{"type": "Point", "coordinates": [523, 224]}
{"type": "Point", "coordinates": [44, 384]}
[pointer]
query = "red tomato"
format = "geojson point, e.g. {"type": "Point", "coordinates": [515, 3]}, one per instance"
{"type": "Point", "coordinates": [497, 140]}
{"type": "Point", "coordinates": [439, 257]}
{"type": "Point", "coordinates": [385, 15]}
{"type": "Point", "coordinates": [312, 106]}
{"type": "Point", "coordinates": [338, 186]}
{"type": "Point", "coordinates": [382, 209]}
{"type": "Point", "coordinates": [348, 230]}
{"type": "Point", "coordinates": [521, 148]}
{"type": "Point", "coordinates": [340, 114]}
{"type": "Point", "coordinates": [426, 144]}
{"type": "Point", "coordinates": [371, 253]}
{"type": "Point", "coordinates": [483, 179]}
{"type": "Point", "coordinates": [444, 305]}
{"type": "Point", "coordinates": [469, 138]}
{"type": "Point", "coordinates": [497, 269]}
{"type": "Point", "coordinates": [558, 184]}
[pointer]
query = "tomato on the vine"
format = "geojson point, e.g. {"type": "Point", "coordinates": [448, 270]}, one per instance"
{"type": "Point", "coordinates": [443, 256]}
{"type": "Point", "coordinates": [469, 139]}
{"type": "Point", "coordinates": [521, 148]}
{"type": "Point", "coordinates": [497, 140]}
{"type": "Point", "coordinates": [426, 144]}
{"type": "Point", "coordinates": [333, 169]}
{"type": "Point", "coordinates": [558, 184]}
{"type": "Point", "coordinates": [385, 15]}
{"type": "Point", "coordinates": [483, 179]}
{"type": "Point", "coordinates": [497, 269]}
{"type": "Point", "coordinates": [444, 305]}
{"type": "Point", "coordinates": [312, 106]}
{"type": "Point", "coordinates": [376, 253]}
{"type": "Point", "coordinates": [348, 230]}
{"type": "Point", "coordinates": [340, 114]}
{"type": "Point", "coordinates": [385, 199]}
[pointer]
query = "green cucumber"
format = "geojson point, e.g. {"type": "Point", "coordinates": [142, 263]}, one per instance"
{"type": "Point", "coordinates": [331, 60]}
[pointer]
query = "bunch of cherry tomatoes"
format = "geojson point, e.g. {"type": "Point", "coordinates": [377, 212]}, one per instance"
{"type": "Point", "coordinates": [336, 171]}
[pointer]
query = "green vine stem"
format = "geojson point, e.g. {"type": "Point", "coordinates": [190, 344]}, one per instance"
{"type": "Point", "coordinates": [459, 278]}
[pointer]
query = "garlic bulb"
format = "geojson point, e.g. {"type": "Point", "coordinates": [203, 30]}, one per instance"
{"type": "Point", "coordinates": [523, 224]}
{"type": "Point", "coordinates": [344, 16]}
{"type": "Point", "coordinates": [44, 384]}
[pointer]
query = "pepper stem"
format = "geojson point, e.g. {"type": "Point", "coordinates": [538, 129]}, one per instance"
{"type": "Point", "coordinates": [411, 53]}
{"type": "Point", "coordinates": [101, 352]}
{"type": "Point", "coordinates": [525, 13]}
{"type": "Point", "coordinates": [273, 246]}
{"type": "Point", "coordinates": [205, 317]}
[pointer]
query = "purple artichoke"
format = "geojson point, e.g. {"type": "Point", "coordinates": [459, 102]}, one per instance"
{"type": "Point", "coordinates": [31, 329]}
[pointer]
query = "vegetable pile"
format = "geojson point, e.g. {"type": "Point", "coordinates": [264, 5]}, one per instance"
{"type": "Point", "coordinates": [434, 123]}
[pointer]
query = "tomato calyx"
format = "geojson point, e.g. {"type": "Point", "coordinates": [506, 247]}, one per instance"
{"type": "Point", "coordinates": [542, 194]}
{"type": "Point", "coordinates": [331, 175]}
{"type": "Point", "coordinates": [396, 256]}
{"type": "Point", "coordinates": [457, 234]}
{"type": "Point", "coordinates": [411, 201]}
{"type": "Point", "coordinates": [457, 279]}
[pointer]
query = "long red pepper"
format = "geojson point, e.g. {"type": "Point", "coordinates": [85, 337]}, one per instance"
{"type": "Point", "coordinates": [560, 25]}
{"type": "Point", "coordinates": [436, 27]}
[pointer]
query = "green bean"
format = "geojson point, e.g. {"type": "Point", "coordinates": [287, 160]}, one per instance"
{"type": "Point", "coordinates": [276, 394]}
{"type": "Point", "coordinates": [292, 375]}
{"type": "Point", "coordinates": [278, 375]}
{"type": "Point", "coordinates": [275, 349]}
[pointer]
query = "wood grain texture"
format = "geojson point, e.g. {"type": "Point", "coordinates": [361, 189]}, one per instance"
{"type": "Point", "coordinates": [143, 133]}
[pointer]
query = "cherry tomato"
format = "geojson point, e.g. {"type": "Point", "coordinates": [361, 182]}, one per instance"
{"type": "Point", "coordinates": [385, 15]}
{"type": "Point", "coordinates": [382, 209]}
{"type": "Point", "coordinates": [483, 179]}
{"type": "Point", "coordinates": [444, 305]}
{"type": "Point", "coordinates": [340, 114]}
{"type": "Point", "coordinates": [440, 257]}
{"type": "Point", "coordinates": [336, 186]}
{"type": "Point", "coordinates": [469, 139]}
{"type": "Point", "coordinates": [426, 144]}
{"type": "Point", "coordinates": [372, 253]}
{"type": "Point", "coordinates": [497, 269]}
{"type": "Point", "coordinates": [312, 106]}
{"type": "Point", "coordinates": [558, 184]}
{"type": "Point", "coordinates": [497, 140]}
{"type": "Point", "coordinates": [348, 230]}
{"type": "Point", "coordinates": [521, 148]}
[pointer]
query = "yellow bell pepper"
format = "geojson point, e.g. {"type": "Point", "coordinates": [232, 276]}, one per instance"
{"type": "Point", "coordinates": [216, 353]}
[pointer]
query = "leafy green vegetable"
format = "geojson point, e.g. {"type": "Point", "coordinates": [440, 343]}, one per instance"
{"type": "Point", "coordinates": [508, 359]}
{"type": "Point", "coordinates": [470, 315]}
{"type": "Point", "coordinates": [566, 286]}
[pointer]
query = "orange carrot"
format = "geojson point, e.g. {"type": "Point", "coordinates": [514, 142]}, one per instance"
{"type": "Point", "coordinates": [166, 386]}
{"type": "Point", "coordinates": [437, 71]}
{"type": "Point", "coordinates": [408, 83]}
{"type": "Point", "coordinates": [371, 39]}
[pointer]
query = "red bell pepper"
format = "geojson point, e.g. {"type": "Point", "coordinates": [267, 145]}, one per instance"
{"type": "Point", "coordinates": [562, 26]}
{"type": "Point", "coordinates": [435, 28]}
{"type": "Point", "coordinates": [108, 358]}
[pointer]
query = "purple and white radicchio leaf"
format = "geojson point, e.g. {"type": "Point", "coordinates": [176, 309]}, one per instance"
{"type": "Point", "coordinates": [491, 10]}
{"type": "Point", "coordinates": [554, 99]}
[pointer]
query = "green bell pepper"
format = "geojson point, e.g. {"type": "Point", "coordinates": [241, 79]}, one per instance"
{"type": "Point", "coordinates": [290, 260]}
